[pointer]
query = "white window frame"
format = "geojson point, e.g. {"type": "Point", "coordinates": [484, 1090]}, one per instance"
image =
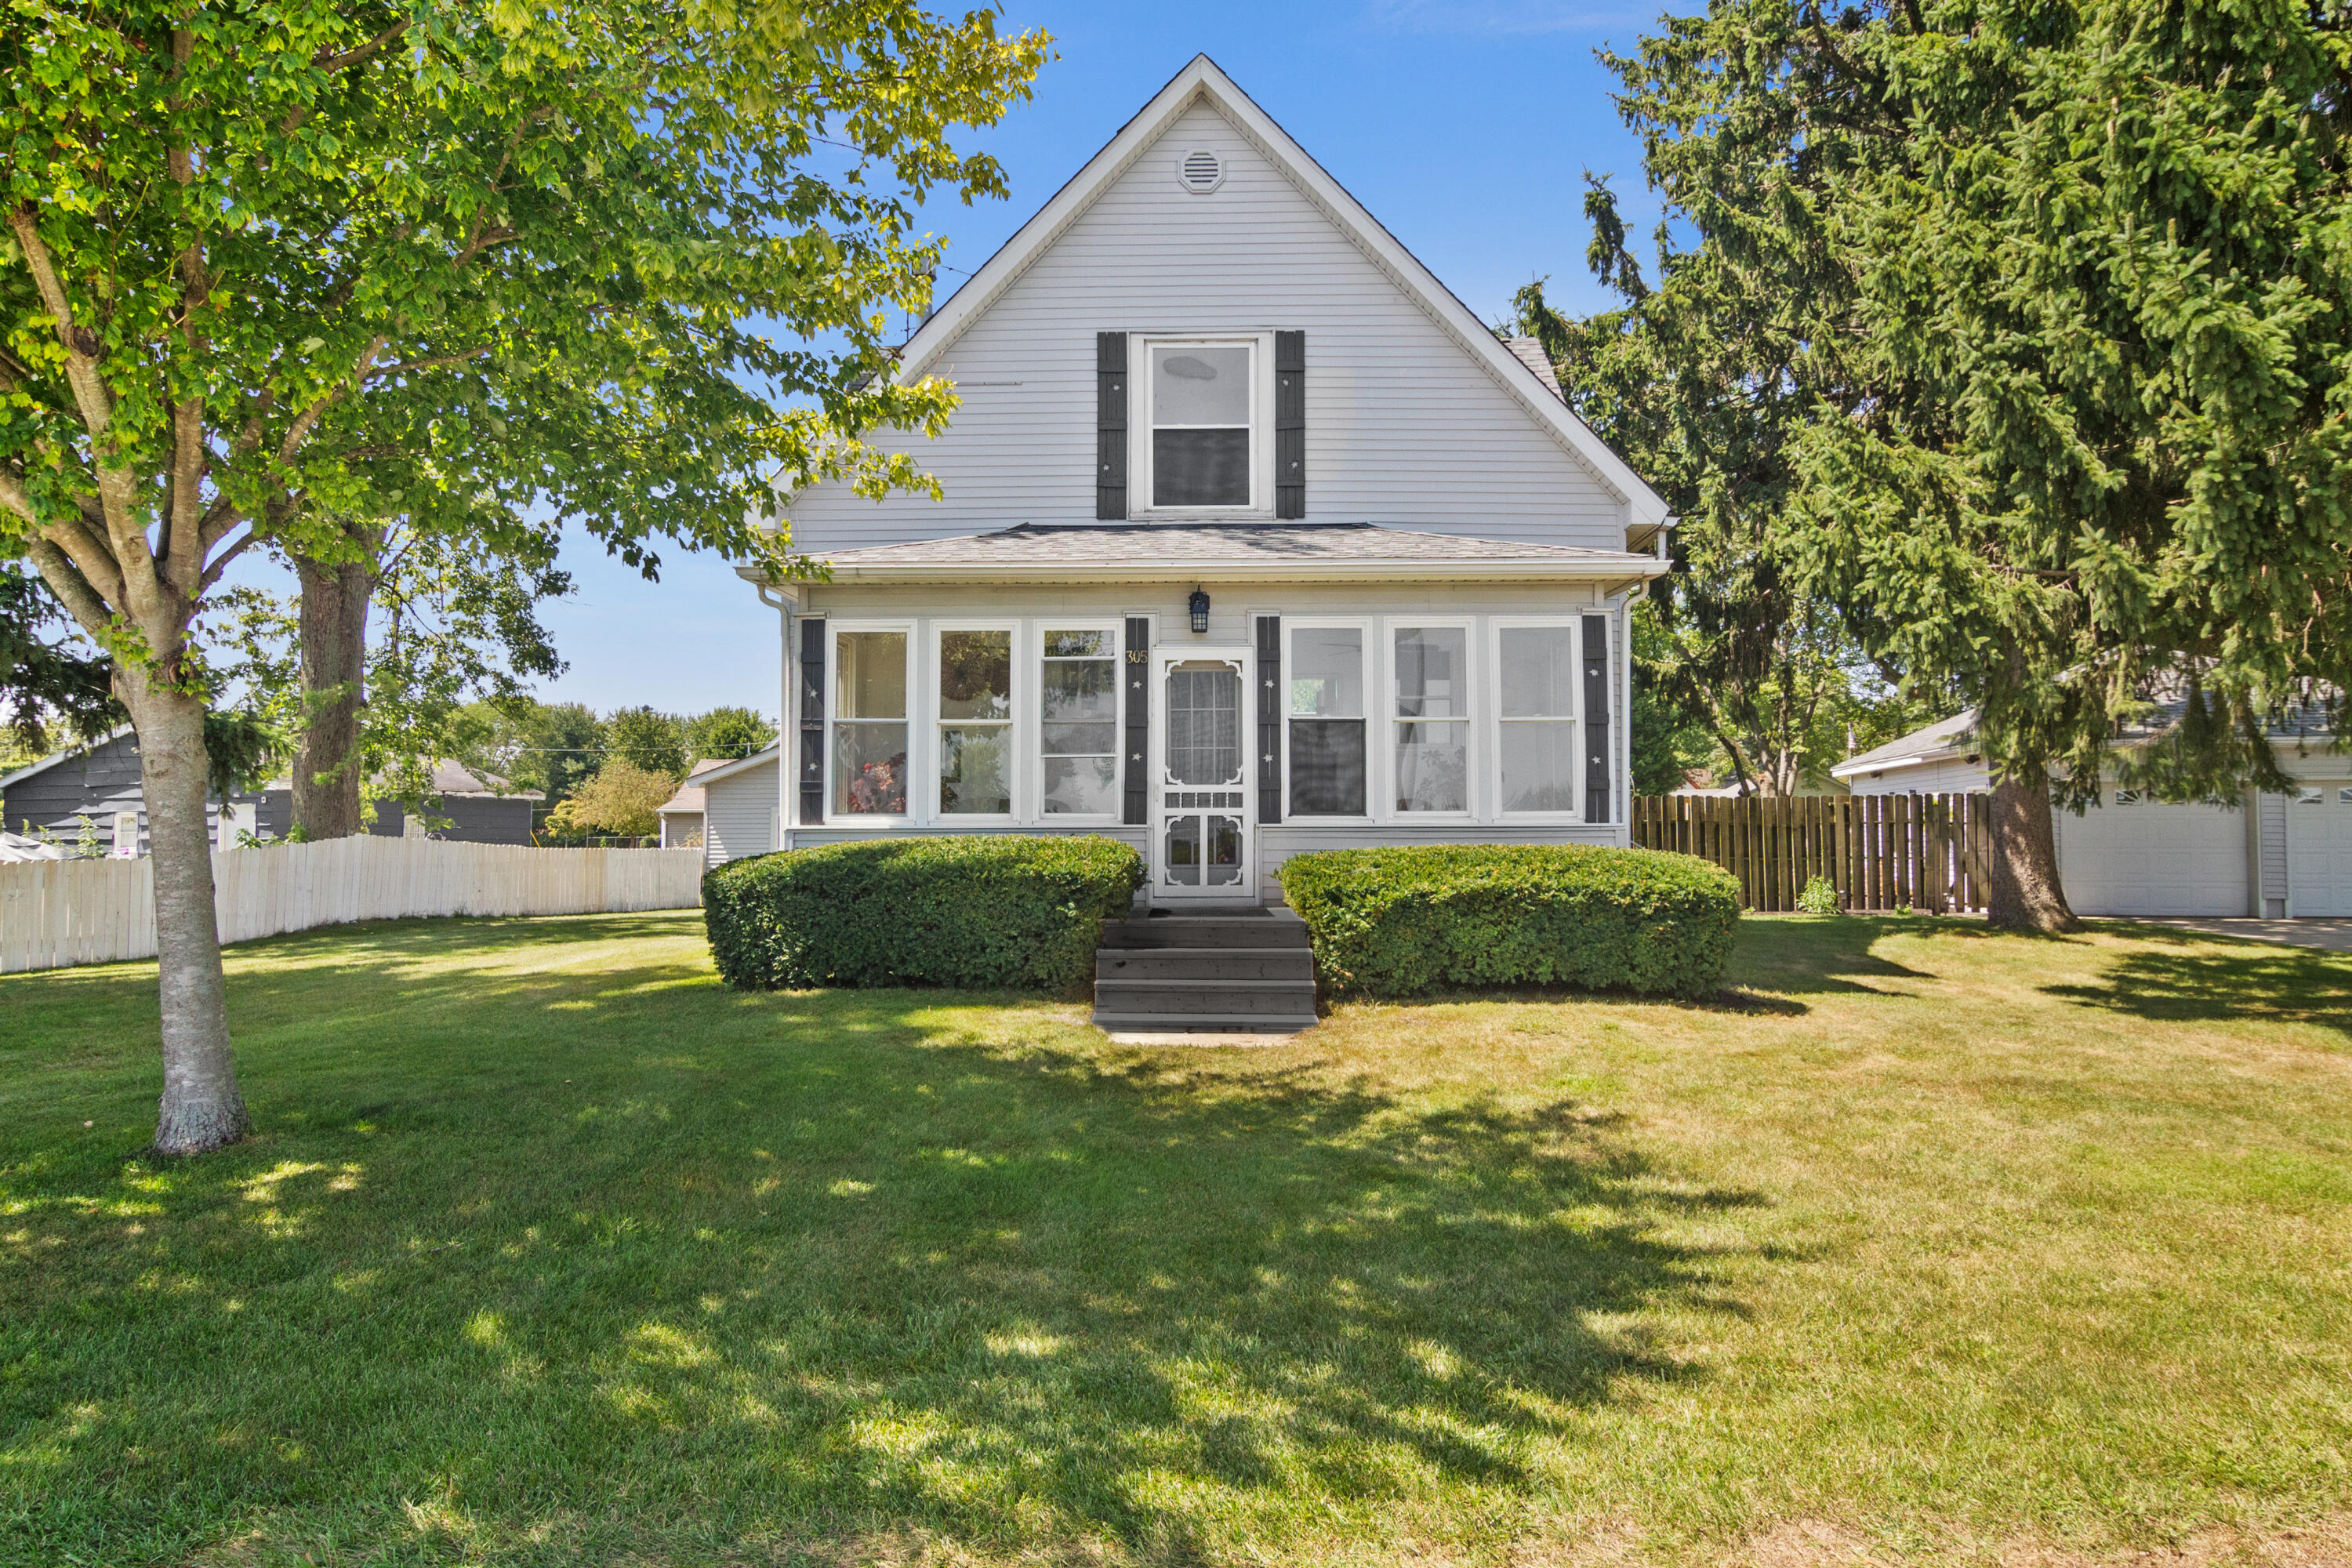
{"type": "Point", "coordinates": [835, 628]}
{"type": "Point", "coordinates": [1496, 627]}
{"type": "Point", "coordinates": [934, 751]}
{"type": "Point", "coordinates": [1261, 423]}
{"type": "Point", "coordinates": [1033, 748]}
{"type": "Point", "coordinates": [1368, 628]}
{"type": "Point", "coordinates": [1473, 721]}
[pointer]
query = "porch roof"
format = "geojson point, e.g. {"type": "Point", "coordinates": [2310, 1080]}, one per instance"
{"type": "Point", "coordinates": [1278, 551]}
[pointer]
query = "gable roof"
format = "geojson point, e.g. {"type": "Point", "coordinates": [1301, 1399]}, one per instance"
{"type": "Point", "coordinates": [1201, 80]}
{"type": "Point", "coordinates": [1530, 352]}
{"type": "Point", "coordinates": [1956, 736]}
{"type": "Point", "coordinates": [1274, 552]}
{"type": "Point", "coordinates": [32, 770]}
{"type": "Point", "coordinates": [1944, 737]}
{"type": "Point", "coordinates": [689, 797]}
{"type": "Point", "coordinates": [741, 764]}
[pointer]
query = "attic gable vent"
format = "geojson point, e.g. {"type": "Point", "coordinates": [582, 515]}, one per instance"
{"type": "Point", "coordinates": [1201, 171]}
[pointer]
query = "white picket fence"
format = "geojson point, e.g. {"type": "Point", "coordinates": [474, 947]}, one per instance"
{"type": "Point", "coordinates": [54, 913]}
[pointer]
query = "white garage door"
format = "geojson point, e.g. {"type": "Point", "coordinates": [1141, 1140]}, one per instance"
{"type": "Point", "coordinates": [2127, 855]}
{"type": "Point", "coordinates": [2319, 849]}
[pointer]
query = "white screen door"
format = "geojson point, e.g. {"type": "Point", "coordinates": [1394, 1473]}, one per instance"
{"type": "Point", "coordinates": [1201, 843]}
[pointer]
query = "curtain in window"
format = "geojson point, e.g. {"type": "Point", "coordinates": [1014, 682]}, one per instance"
{"type": "Point", "coordinates": [1537, 718]}
{"type": "Point", "coordinates": [976, 723]}
{"type": "Point", "coordinates": [1432, 707]}
{"type": "Point", "coordinates": [1078, 728]}
{"type": "Point", "coordinates": [869, 728]}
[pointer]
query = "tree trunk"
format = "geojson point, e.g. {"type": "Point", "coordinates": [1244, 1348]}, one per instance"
{"type": "Point", "coordinates": [334, 670]}
{"type": "Point", "coordinates": [2026, 893]}
{"type": "Point", "coordinates": [201, 1109]}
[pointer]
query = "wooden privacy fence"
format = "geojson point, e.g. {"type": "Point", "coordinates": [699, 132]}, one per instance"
{"type": "Point", "coordinates": [59, 912]}
{"type": "Point", "coordinates": [1927, 852]}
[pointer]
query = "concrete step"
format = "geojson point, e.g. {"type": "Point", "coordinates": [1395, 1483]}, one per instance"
{"type": "Point", "coordinates": [1265, 928]}
{"type": "Point", "coordinates": [1191, 1001]}
{"type": "Point", "coordinates": [1212, 1024]}
{"type": "Point", "coordinates": [1205, 963]}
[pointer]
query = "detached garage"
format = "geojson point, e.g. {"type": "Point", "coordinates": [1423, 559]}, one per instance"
{"type": "Point", "coordinates": [2127, 855]}
{"type": "Point", "coordinates": [2269, 855]}
{"type": "Point", "coordinates": [2317, 872]}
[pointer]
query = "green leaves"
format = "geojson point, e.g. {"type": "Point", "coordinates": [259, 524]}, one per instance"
{"type": "Point", "coordinates": [2060, 293]}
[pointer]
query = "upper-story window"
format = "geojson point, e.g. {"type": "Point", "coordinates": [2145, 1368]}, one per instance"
{"type": "Point", "coordinates": [1205, 413]}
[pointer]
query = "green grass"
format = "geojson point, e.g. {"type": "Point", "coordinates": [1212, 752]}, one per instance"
{"type": "Point", "coordinates": [551, 1250]}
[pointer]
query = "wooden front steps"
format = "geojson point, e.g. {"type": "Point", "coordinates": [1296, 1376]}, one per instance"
{"type": "Point", "coordinates": [1240, 970]}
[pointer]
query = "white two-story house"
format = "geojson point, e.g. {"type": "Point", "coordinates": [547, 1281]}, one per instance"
{"type": "Point", "coordinates": [1255, 541]}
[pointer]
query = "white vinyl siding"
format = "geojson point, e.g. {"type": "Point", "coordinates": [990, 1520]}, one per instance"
{"type": "Point", "coordinates": [739, 815]}
{"type": "Point", "coordinates": [1403, 426]}
{"type": "Point", "coordinates": [1955, 777]}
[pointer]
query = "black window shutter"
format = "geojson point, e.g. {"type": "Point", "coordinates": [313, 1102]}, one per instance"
{"type": "Point", "coordinates": [1110, 426]}
{"type": "Point", "coordinates": [1138, 721]}
{"type": "Point", "coordinates": [812, 721]}
{"type": "Point", "coordinates": [1289, 424]}
{"type": "Point", "coordinates": [1269, 718]}
{"type": "Point", "coordinates": [1596, 718]}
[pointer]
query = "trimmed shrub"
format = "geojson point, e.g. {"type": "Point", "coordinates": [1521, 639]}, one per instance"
{"type": "Point", "coordinates": [1405, 922]}
{"type": "Point", "coordinates": [1019, 913]}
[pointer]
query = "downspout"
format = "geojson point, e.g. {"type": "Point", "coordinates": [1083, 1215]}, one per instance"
{"type": "Point", "coordinates": [787, 732]}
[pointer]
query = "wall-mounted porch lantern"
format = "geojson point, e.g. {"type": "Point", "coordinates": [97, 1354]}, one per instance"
{"type": "Point", "coordinates": [1200, 607]}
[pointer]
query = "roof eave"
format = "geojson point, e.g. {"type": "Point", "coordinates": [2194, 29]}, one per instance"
{"type": "Point", "coordinates": [1624, 568]}
{"type": "Point", "coordinates": [741, 764]}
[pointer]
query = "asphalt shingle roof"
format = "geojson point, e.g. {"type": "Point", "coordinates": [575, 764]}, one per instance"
{"type": "Point", "coordinates": [1211, 545]}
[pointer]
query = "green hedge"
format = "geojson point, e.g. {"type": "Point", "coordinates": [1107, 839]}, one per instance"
{"type": "Point", "coordinates": [1400, 922]}
{"type": "Point", "coordinates": [1022, 912]}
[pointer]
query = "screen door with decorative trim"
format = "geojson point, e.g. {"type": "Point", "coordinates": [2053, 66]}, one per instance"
{"type": "Point", "coordinates": [1202, 844]}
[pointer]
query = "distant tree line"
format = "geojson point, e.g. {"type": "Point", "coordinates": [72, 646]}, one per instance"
{"type": "Point", "coordinates": [601, 776]}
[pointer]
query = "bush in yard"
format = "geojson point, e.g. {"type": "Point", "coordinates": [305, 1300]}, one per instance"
{"type": "Point", "coordinates": [1019, 913]}
{"type": "Point", "coordinates": [1820, 897]}
{"type": "Point", "coordinates": [1402, 921]}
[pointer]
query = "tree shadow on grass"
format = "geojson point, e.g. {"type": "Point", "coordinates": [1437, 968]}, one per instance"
{"type": "Point", "coordinates": [815, 1267]}
{"type": "Point", "coordinates": [2192, 977]}
{"type": "Point", "coordinates": [1786, 958]}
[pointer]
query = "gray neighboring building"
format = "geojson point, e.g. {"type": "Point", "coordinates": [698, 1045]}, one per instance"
{"type": "Point", "coordinates": [481, 808]}
{"type": "Point", "coordinates": [100, 783]}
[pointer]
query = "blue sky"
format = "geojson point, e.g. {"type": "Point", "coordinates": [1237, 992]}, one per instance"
{"type": "Point", "coordinates": [1464, 125]}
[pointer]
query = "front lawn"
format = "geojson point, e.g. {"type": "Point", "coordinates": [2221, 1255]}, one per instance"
{"type": "Point", "coordinates": [1930, 1245]}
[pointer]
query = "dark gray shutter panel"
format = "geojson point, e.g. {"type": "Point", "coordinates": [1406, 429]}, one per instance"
{"type": "Point", "coordinates": [1596, 718]}
{"type": "Point", "coordinates": [1269, 718]}
{"type": "Point", "coordinates": [1110, 426]}
{"type": "Point", "coordinates": [812, 722]}
{"type": "Point", "coordinates": [1289, 424]}
{"type": "Point", "coordinates": [1137, 775]}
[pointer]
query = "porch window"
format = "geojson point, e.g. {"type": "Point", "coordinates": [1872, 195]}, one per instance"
{"type": "Point", "coordinates": [976, 723]}
{"type": "Point", "coordinates": [869, 724]}
{"type": "Point", "coordinates": [1078, 723]}
{"type": "Point", "coordinates": [1202, 399]}
{"type": "Point", "coordinates": [1327, 721]}
{"type": "Point", "coordinates": [1536, 717]}
{"type": "Point", "coordinates": [1432, 719]}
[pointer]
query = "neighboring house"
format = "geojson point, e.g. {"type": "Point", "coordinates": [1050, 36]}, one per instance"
{"type": "Point", "coordinates": [1255, 541]}
{"type": "Point", "coordinates": [741, 811]}
{"type": "Point", "coordinates": [681, 815]}
{"type": "Point", "coordinates": [2267, 855]}
{"type": "Point", "coordinates": [479, 808]}
{"type": "Point", "coordinates": [100, 784]}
